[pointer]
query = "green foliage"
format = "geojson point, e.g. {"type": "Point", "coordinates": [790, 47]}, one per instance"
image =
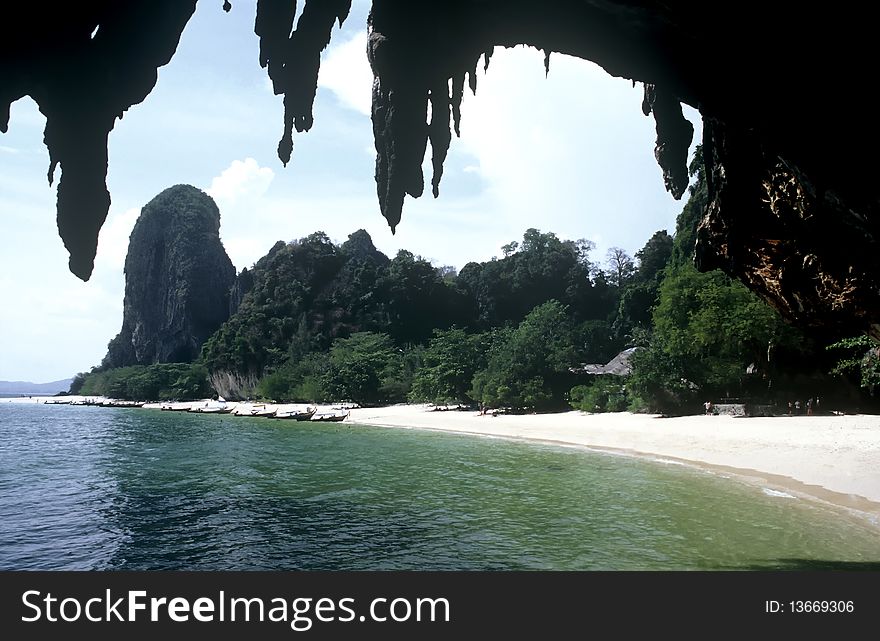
{"type": "Point", "coordinates": [305, 297]}
{"type": "Point", "coordinates": [540, 268]}
{"type": "Point", "coordinates": [77, 383]}
{"type": "Point", "coordinates": [417, 299]}
{"type": "Point", "coordinates": [163, 381]}
{"type": "Point", "coordinates": [306, 294]}
{"type": "Point", "coordinates": [283, 296]}
{"type": "Point", "coordinates": [300, 380]}
{"type": "Point", "coordinates": [690, 216]}
{"type": "Point", "coordinates": [364, 368]}
{"type": "Point", "coordinates": [635, 309]}
{"type": "Point", "coordinates": [529, 368]}
{"type": "Point", "coordinates": [593, 342]}
{"type": "Point", "coordinates": [654, 256]}
{"type": "Point", "coordinates": [861, 357]}
{"type": "Point", "coordinates": [604, 394]}
{"type": "Point", "coordinates": [399, 377]}
{"type": "Point", "coordinates": [659, 380]}
{"type": "Point", "coordinates": [641, 291]}
{"type": "Point", "coordinates": [450, 362]}
{"type": "Point", "coordinates": [708, 330]}
{"type": "Point", "coordinates": [714, 327]}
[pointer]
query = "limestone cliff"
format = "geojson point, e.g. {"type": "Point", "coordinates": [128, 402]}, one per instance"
{"type": "Point", "coordinates": [177, 281]}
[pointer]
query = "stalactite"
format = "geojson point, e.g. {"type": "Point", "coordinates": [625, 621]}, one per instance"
{"type": "Point", "coordinates": [293, 56]}
{"type": "Point", "coordinates": [674, 136]}
{"type": "Point", "coordinates": [68, 76]}
{"type": "Point", "coordinates": [768, 125]}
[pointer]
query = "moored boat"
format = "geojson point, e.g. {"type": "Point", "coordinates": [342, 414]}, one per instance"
{"type": "Point", "coordinates": [176, 407]}
{"type": "Point", "coordinates": [330, 416]}
{"type": "Point", "coordinates": [296, 413]}
{"type": "Point", "coordinates": [113, 403]}
{"type": "Point", "coordinates": [254, 409]}
{"type": "Point", "coordinates": [212, 408]}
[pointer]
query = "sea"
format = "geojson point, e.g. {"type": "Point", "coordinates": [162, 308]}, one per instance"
{"type": "Point", "coordinates": [91, 488]}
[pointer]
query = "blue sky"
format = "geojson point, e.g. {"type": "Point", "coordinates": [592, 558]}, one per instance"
{"type": "Point", "coordinates": [570, 153]}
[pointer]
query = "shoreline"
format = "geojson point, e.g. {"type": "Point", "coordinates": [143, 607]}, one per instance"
{"type": "Point", "coordinates": [834, 460]}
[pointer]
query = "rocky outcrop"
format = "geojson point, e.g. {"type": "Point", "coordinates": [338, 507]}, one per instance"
{"type": "Point", "coordinates": [177, 281]}
{"type": "Point", "coordinates": [783, 89]}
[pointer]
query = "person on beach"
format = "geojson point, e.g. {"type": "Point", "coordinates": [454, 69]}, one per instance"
{"type": "Point", "coordinates": [789, 408]}
{"type": "Point", "coordinates": [809, 407]}
{"type": "Point", "coordinates": [797, 408]}
{"type": "Point", "coordinates": [708, 406]}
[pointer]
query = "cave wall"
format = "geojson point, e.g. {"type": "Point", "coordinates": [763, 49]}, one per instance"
{"type": "Point", "coordinates": [783, 88]}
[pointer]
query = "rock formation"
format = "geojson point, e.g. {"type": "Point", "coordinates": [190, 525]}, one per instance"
{"type": "Point", "coordinates": [177, 281]}
{"type": "Point", "coordinates": [783, 89]}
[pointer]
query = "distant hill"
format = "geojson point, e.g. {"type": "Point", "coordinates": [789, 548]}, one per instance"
{"type": "Point", "coordinates": [26, 387]}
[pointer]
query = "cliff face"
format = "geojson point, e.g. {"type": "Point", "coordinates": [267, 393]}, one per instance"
{"type": "Point", "coordinates": [783, 89]}
{"type": "Point", "coordinates": [177, 281]}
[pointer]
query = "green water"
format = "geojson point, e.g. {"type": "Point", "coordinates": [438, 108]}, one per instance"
{"type": "Point", "coordinates": [98, 488]}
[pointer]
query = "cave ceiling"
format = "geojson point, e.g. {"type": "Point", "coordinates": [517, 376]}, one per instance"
{"type": "Point", "coordinates": [785, 90]}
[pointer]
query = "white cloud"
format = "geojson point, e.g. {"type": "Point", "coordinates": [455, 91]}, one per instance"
{"type": "Point", "coordinates": [113, 239]}
{"type": "Point", "coordinates": [240, 192]}
{"type": "Point", "coordinates": [242, 180]}
{"type": "Point", "coordinates": [346, 72]}
{"type": "Point", "coordinates": [244, 251]}
{"type": "Point", "coordinates": [570, 153]}
{"type": "Point", "coordinates": [8, 150]}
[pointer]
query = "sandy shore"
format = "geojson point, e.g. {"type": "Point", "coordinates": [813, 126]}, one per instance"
{"type": "Point", "coordinates": [832, 458]}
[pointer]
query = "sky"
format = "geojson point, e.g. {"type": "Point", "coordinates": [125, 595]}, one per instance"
{"type": "Point", "coordinates": [570, 153]}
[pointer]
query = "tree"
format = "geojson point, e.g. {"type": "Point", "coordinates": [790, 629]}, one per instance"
{"type": "Point", "coordinates": [77, 383]}
{"type": "Point", "coordinates": [862, 358]}
{"type": "Point", "coordinates": [603, 394]}
{"type": "Point", "coordinates": [639, 294]}
{"type": "Point", "coordinates": [298, 380]}
{"type": "Point", "coordinates": [287, 284]}
{"type": "Point", "coordinates": [593, 342]}
{"type": "Point", "coordinates": [417, 299]}
{"type": "Point", "coordinates": [162, 381]}
{"type": "Point", "coordinates": [360, 367]}
{"type": "Point", "coordinates": [621, 267]}
{"type": "Point", "coordinates": [447, 273]}
{"type": "Point", "coordinates": [529, 368]}
{"type": "Point", "coordinates": [542, 268]}
{"type": "Point", "coordinates": [712, 337]}
{"type": "Point", "coordinates": [582, 248]}
{"type": "Point", "coordinates": [654, 256]}
{"type": "Point", "coordinates": [450, 362]}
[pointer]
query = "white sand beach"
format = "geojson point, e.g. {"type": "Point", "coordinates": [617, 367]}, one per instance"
{"type": "Point", "coordinates": [831, 458]}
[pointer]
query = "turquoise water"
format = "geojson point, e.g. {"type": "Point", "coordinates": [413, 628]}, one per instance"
{"type": "Point", "coordinates": [99, 488]}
